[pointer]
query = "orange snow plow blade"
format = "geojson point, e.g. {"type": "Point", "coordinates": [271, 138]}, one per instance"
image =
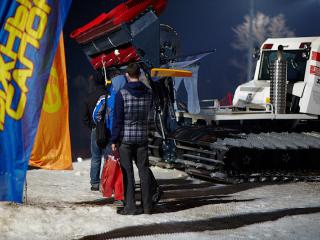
{"type": "Point", "coordinates": [165, 72]}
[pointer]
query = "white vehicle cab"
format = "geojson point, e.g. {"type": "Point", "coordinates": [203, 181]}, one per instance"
{"type": "Point", "coordinates": [302, 56]}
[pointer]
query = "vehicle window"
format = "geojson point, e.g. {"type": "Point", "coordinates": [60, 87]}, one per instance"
{"type": "Point", "coordinates": [296, 61]}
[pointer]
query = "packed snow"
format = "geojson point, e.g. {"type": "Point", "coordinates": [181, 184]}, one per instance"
{"type": "Point", "coordinates": [60, 205]}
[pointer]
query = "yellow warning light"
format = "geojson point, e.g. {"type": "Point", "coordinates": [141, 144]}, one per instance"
{"type": "Point", "coordinates": [267, 100]}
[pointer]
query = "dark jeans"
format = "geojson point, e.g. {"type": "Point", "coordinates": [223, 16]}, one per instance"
{"type": "Point", "coordinates": [139, 153]}
{"type": "Point", "coordinates": [96, 155]}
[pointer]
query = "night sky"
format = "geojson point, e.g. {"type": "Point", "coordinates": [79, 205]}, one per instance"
{"type": "Point", "coordinates": [202, 25]}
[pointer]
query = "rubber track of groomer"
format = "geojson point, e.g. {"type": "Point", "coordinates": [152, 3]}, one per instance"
{"type": "Point", "coordinates": [262, 157]}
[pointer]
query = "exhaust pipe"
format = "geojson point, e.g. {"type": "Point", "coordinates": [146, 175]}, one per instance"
{"type": "Point", "coordinates": [278, 84]}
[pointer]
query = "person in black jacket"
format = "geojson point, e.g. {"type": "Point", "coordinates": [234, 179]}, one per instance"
{"type": "Point", "coordinates": [96, 152]}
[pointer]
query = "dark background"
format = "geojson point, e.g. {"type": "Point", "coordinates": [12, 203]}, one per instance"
{"type": "Point", "coordinates": [202, 25]}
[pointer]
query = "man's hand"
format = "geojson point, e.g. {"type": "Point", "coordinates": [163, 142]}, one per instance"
{"type": "Point", "coordinates": [114, 147]}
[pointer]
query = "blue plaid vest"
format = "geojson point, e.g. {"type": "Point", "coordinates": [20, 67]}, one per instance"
{"type": "Point", "coordinates": [136, 111]}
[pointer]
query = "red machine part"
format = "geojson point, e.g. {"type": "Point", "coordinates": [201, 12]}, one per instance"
{"type": "Point", "coordinates": [227, 100]}
{"type": "Point", "coordinates": [117, 57]}
{"type": "Point", "coordinates": [124, 12]}
{"type": "Point", "coordinates": [267, 46]}
{"type": "Point", "coordinates": [316, 56]}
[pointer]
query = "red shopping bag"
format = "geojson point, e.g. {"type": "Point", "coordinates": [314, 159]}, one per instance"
{"type": "Point", "coordinates": [111, 180]}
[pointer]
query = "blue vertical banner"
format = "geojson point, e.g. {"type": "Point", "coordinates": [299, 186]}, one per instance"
{"type": "Point", "coordinates": [29, 35]}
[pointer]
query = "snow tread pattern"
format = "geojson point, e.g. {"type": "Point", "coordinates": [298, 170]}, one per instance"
{"type": "Point", "coordinates": [285, 143]}
{"type": "Point", "coordinates": [271, 141]}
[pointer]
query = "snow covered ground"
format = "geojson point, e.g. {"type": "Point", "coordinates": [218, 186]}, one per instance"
{"type": "Point", "coordinates": [60, 205]}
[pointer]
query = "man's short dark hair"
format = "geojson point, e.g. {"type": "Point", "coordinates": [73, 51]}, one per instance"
{"type": "Point", "coordinates": [133, 70]}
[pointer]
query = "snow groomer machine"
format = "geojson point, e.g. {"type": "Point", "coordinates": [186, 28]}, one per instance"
{"type": "Point", "coordinates": [270, 132]}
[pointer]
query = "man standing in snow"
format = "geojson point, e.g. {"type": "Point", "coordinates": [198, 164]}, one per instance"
{"type": "Point", "coordinates": [130, 133]}
{"type": "Point", "coordinates": [96, 152]}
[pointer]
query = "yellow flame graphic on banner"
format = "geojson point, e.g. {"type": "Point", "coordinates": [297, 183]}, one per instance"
{"type": "Point", "coordinates": [52, 101]}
